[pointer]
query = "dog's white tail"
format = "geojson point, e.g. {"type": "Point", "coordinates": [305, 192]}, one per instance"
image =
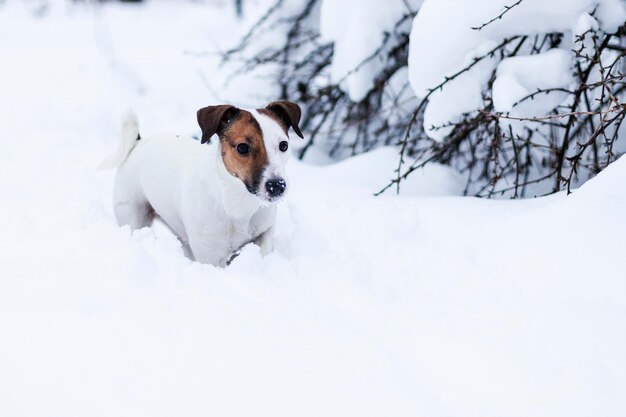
{"type": "Point", "coordinates": [129, 138]}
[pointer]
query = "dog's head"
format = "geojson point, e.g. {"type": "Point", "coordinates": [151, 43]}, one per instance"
{"type": "Point", "coordinates": [254, 143]}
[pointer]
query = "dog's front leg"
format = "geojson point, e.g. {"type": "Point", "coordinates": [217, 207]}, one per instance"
{"type": "Point", "coordinates": [187, 251]}
{"type": "Point", "coordinates": [207, 253]}
{"type": "Point", "coordinates": [266, 241]}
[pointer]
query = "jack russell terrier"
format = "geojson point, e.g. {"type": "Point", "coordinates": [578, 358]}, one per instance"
{"type": "Point", "coordinates": [215, 198]}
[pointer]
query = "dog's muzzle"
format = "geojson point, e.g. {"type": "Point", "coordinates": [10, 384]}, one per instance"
{"type": "Point", "coordinates": [275, 188]}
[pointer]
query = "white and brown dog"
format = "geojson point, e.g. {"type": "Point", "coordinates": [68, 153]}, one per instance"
{"type": "Point", "coordinates": [215, 198]}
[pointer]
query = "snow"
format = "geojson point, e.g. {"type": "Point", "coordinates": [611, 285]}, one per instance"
{"type": "Point", "coordinates": [612, 14]}
{"type": "Point", "coordinates": [421, 304]}
{"type": "Point", "coordinates": [517, 77]}
{"type": "Point", "coordinates": [585, 23]}
{"type": "Point", "coordinates": [439, 50]}
{"type": "Point", "coordinates": [357, 27]}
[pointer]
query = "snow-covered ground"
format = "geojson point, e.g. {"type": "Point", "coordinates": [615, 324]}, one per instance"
{"type": "Point", "coordinates": [426, 304]}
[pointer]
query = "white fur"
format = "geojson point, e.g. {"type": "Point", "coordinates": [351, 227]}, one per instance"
{"type": "Point", "coordinates": [273, 134]}
{"type": "Point", "coordinates": [130, 132]}
{"type": "Point", "coordinates": [189, 188]}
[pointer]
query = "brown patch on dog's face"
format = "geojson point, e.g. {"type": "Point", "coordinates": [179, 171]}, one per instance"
{"type": "Point", "coordinates": [243, 150]}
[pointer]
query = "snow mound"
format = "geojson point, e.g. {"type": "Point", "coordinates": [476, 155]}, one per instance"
{"type": "Point", "coordinates": [607, 186]}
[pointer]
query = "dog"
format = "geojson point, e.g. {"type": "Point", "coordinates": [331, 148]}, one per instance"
{"type": "Point", "coordinates": [218, 197]}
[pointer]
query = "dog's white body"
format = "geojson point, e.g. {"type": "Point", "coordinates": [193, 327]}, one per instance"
{"type": "Point", "coordinates": [187, 185]}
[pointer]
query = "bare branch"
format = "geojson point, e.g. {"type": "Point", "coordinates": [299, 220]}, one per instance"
{"type": "Point", "coordinates": [506, 10]}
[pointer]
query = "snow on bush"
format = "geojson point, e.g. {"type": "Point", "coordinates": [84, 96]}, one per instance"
{"type": "Point", "coordinates": [447, 36]}
{"type": "Point", "coordinates": [517, 77]}
{"type": "Point", "coordinates": [356, 28]}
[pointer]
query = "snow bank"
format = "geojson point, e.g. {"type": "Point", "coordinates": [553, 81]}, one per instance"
{"type": "Point", "coordinates": [440, 50]}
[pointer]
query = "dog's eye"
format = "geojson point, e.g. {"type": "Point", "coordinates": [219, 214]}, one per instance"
{"type": "Point", "coordinates": [243, 148]}
{"type": "Point", "coordinates": [283, 146]}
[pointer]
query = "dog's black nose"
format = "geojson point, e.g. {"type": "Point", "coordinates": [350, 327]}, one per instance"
{"type": "Point", "coordinates": [275, 188]}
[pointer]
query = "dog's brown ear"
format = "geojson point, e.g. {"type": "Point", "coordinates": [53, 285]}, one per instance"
{"type": "Point", "coordinates": [289, 113]}
{"type": "Point", "coordinates": [213, 119]}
